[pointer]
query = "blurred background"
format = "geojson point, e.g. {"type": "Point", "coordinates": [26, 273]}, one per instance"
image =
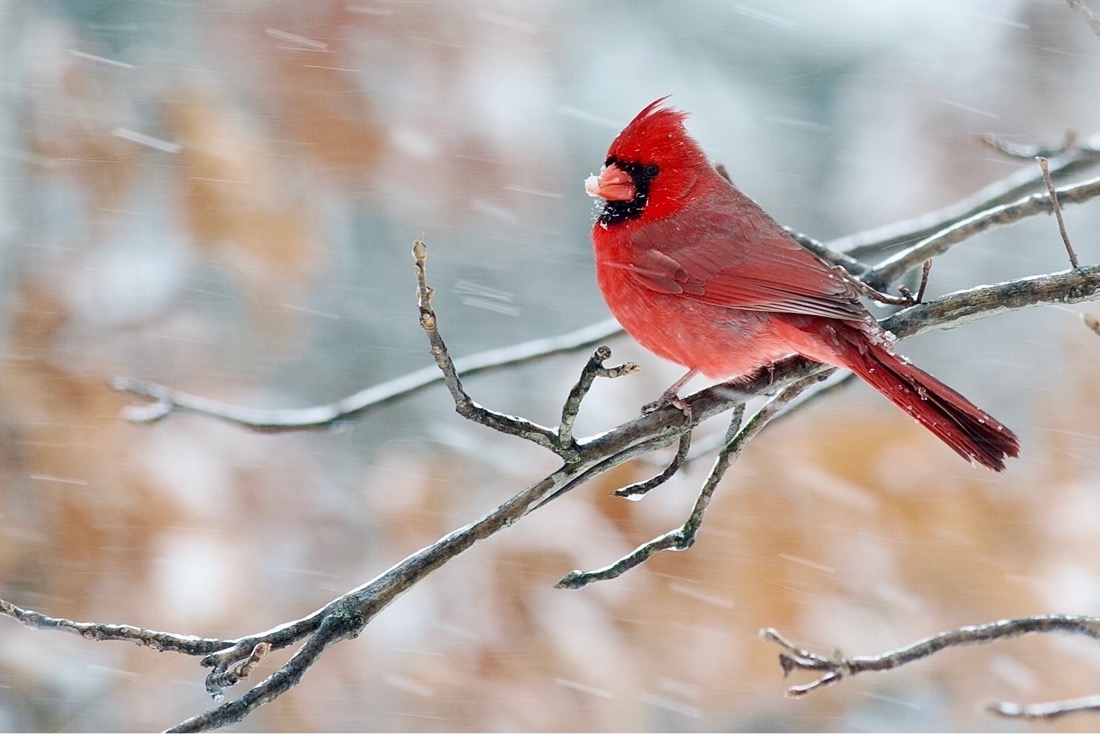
{"type": "Point", "coordinates": [222, 196]}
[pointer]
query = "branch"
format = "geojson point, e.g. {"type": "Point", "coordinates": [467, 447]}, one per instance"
{"type": "Point", "coordinates": [837, 667]}
{"type": "Point", "coordinates": [684, 537]}
{"type": "Point", "coordinates": [1045, 711]}
{"type": "Point", "coordinates": [892, 268]}
{"type": "Point", "coordinates": [345, 617]}
{"type": "Point", "coordinates": [333, 629]}
{"type": "Point", "coordinates": [1008, 189]}
{"type": "Point", "coordinates": [464, 404]}
{"type": "Point", "coordinates": [1030, 152]}
{"type": "Point", "coordinates": [1090, 18]}
{"type": "Point", "coordinates": [1044, 166]}
{"type": "Point", "coordinates": [159, 641]}
{"type": "Point", "coordinates": [167, 401]}
{"type": "Point", "coordinates": [572, 405]}
{"type": "Point", "coordinates": [640, 489]}
{"type": "Point", "coordinates": [963, 307]}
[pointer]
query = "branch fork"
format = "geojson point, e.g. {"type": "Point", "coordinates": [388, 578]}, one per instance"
{"type": "Point", "coordinates": [833, 669]}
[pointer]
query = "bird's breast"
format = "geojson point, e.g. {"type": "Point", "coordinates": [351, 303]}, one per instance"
{"type": "Point", "coordinates": [718, 341]}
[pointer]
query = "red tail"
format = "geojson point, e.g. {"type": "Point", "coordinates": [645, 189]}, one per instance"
{"type": "Point", "coordinates": [970, 431]}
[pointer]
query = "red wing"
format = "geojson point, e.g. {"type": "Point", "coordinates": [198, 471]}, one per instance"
{"type": "Point", "coordinates": [774, 274]}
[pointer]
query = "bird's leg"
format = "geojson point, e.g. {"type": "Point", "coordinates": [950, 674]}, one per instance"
{"type": "Point", "coordinates": [670, 396]}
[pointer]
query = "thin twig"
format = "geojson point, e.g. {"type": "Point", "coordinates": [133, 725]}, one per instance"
{"type": "Point", "coordinates": [1088, 15]}
{"type": "Point", "coordinates": [593, 369]}
{"type": "Point", "coordinates": [1029, 152]}
{"type": "Point", "coordinates": [894, 267]}
{"type": "Point", "coordinates": [166, 400]}
{"type": "Point", "coordinates": [924, 272]}
{"type": "Point", "coordinates": [921, 287]}
{"type": "Point", "coordinates": [836, 667]}
{"type": "Point", "coordinates": [159, 641]}
{"type": "Point", "coordinates": [464, 404]}
{"type": "Point", "coordinates": [1008, 189]}
{"type": "Point", "coordinates": [905, 299]}
{"type": "Point", "coordinates": [678, 539]}
{"type": "Point", "coordinates": [332, 629]}
{"type": "Point", "coordinates": [1045, 711]}
{"type": "Point", "coordinates": [639, 489]}
{"type": "Point", "coordinates": [682, 538]}
{"type": "Point", "coordinates": [850, 265]}
{"type": "Point", "coordinates": [236, 670]}
{"type": "Point", "coordinates": [1045, 168]}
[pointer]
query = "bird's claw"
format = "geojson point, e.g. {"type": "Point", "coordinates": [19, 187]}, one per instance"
{"type": "Point", "coordinates": [669, 398]}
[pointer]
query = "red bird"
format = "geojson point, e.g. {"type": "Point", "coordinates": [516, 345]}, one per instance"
{"type": "Point", "coordinates": [699, 274]}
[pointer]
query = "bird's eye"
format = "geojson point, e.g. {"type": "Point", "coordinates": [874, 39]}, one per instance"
{"type": "Point", "coordinates": [651, 170]}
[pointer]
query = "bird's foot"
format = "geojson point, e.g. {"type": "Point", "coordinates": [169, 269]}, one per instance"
{"type": "Point", "coordinates": [669, 397]}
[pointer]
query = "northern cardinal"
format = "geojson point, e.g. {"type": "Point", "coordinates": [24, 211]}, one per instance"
{"type": "Point", "coordinates": [700, 275]}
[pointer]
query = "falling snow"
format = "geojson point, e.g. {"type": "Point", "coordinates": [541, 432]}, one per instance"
{"type": "Point", "coordinates": [223, 199]}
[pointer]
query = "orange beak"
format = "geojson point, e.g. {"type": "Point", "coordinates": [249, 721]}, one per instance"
{"type": "Point", "coordinates": [613, 184]}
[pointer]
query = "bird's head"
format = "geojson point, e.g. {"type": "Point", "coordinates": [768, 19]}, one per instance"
{"type": "Point", "coordinates": [650, 167]}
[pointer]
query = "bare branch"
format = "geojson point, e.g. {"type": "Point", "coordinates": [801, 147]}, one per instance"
{"type": "Point", "coordinates": [894, 267]}
{"type": "Point", "coordinates": [681, 538]}
{"type": "Point", "coordinates": [836, 667]}
{"type": "Point", "coordinates": [167, 400]}
{"type": "Point", "coordinates": [962, 307]}
{"type": "Point", "coordinates": [1088, 15]}
{"type": "Point", "coordinates": [345, 617]}
{"type": "Point", "coordinates": [1045, 711]}
{"type": "Point", "coordinates": [638, 489]}
{"type": "Point", "coordinates": [1009, 189]}
{"type": "Point", "coordinates": [1029, 152]}
{"type": "Point", "coordinates": [464, 404]}
{"type": "Point", "coordinates": [644, 434]}
{"type": "Point", "coordinates": [348, 614]}
{"type": "Point", "coordinates": [736, 440]}
{"type": "Point", "coordinates": [1045, 168]}
{"type": "Point", "coordinates": [572, 405]}
{"type": "Point", "coordinates": [159, 641]}
{"type": "Point", "coordinates": [905, 299]}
